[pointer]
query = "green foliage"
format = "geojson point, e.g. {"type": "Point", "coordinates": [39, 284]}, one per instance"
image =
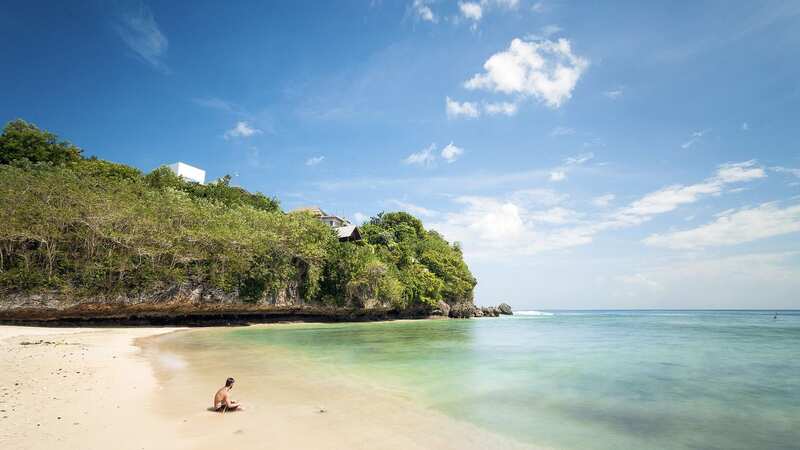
{"type": "Point", "coordinates": [90, 227]}
{"type": "Point", "coordinates": [429, 268]}
{"type": "Point", "coordinates": [220, 191]}
{"type": "Point", "coordinates": [103, 171]}
{"type": "Point", "coordinates": [21, 140]}
{"type": "Point", "coordinates": [104, 235]}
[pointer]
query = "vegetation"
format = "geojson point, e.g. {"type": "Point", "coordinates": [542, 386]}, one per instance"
{"type": "Point", "coordinates": [95, 229]}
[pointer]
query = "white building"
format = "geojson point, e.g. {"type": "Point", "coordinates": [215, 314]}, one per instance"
{"type": "Point", "coordinates": [188, 172]}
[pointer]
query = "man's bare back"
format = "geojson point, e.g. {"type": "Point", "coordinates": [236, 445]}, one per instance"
{"type": "Point", "coordinates": [222, 399]}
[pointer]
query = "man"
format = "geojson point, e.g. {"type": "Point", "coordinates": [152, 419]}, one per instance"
{"type": "Point", "coordinates": [222, 399]}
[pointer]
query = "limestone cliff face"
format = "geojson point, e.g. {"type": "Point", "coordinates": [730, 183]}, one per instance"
{"type": "Point", "coordinates": [197, 304]}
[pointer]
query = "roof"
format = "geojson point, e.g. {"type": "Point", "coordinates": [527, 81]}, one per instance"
{"type": "Point", "coordinates": [341, 219]}
{"type": "Point", "coordinates": [348, 231]}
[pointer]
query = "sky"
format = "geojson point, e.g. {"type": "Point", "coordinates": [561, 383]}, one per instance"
{"type": "Point", "coordinates": [585, 155]}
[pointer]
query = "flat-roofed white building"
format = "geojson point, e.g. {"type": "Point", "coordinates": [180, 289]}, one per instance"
{"type": "Point", "coordinates": [188, 172]}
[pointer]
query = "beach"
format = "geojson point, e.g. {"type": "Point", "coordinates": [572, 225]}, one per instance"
{"type": "Point", "coordinates": [79, 388]}
{"type": "Point", "coordinates": [568, 380]}
{"type": "Point", "coordinates": [96, 389]}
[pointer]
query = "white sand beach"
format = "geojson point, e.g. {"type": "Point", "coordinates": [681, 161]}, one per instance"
{"type": "Point", "coordinates": [79, 388]}
{"type": "Point", "coordinates": [95, 389]}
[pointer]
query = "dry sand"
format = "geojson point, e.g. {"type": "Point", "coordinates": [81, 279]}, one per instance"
{"type": "Point", "coordinates": [78, 388]}
{"type": "Point", "coordinates": [95, 389]}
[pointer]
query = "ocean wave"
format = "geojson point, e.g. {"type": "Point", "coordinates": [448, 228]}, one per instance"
{"type": "Point", "coordinates": [532, 313]}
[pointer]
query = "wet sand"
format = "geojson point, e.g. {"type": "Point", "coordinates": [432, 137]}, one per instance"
{"type": "Point", "coordinates": [93, 389]}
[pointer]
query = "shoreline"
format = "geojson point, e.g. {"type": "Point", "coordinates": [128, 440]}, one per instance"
{"type": "Point", "coordinates": [94, 388]}
{"type": "Point", "coordinates": [83, 388]}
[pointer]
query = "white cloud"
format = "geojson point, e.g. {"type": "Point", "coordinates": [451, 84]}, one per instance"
{"type": "Point", "coordinates": [471, 10]}
{"type": "Point", "coordinates": [451, 153]}
{"type": "Point", "coordinates": [476, 10]}
{"type": "Point", "coordinates": [744, 171]}
{"type": "Point", "coordinates": [745, 126]}
{"type": "Point", "coordinates": [423, 11]}
{"type": "Point", "coordinates": [535, 220]}
{"type": "Point", "coordinates": [555, 216]}
{"type": "Point", "coordinates": [537, 197]}
{"type": "Point", "coordinates": [505, 108]}
{"type": "Point", "coordinates": [540, 35]}
{"type": "Point", "coordinates": [693, 138]}
{"type": "Point", "coordinates": [139, 30]}
{"type": "Point", "coordinates": [466, 109]}
{"type": "Point", "coordinates": [743, 281]}
{"type": "Point", "coordinates": [424, 157]}
{"type": "Point", "coordinates": [613, 94]}
{"type": "Point", "coordinates": [789, 170]}
{"type": "Point", "coordinates": [603, 201]}
{"type": "Point", "coordinates": [359, 218]}
{"type": "Point", "coordinates": [731, 228]}
{"type": "Point", "coordinates": [546, 70]}
{"type": "Point", "coordinates": [538, 7]}
{"type": "Point", "coordinates": [508, 4]}
{"type": "Point", "coordinates": [491, 227]}
{"type": "Point", "coordinates": [670, 197]}
{"type": "Point", "coordinates": [313, 161]}
{"type": "Point", "coordinates": [579, 159]}
{"type": "Point", "coordinates": [562, 131]}
{"type": "Point", "coordinates": [414, 209]}
{"type": "Point", "coordinates": [560, 173]}
{"type": "Point", "coordinates": [241, 130]}
{"type": "Point", "coordinates": [551, 29]}
{"type": "Point", "coordinates": [484, 218]}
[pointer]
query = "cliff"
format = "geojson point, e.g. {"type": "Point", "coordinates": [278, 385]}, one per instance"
{"type": "Point", "coordinates": [86, 239]}
{"type": "Point", "coordinates": [183, 305]}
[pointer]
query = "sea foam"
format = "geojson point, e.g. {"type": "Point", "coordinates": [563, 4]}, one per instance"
{"type": "Point", "coordinates": [532, 313]}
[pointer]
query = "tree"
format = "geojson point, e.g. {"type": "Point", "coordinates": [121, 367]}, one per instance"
{"type": "Point", "coordinates": [90, 228]}
{"type": "Point", "coordinates": [22, 140]}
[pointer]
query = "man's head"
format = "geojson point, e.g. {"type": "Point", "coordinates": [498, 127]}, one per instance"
{"type": "Point", "coordinates": [229, 383]}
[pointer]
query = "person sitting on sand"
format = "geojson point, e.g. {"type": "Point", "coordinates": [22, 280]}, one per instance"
{"type": "Point", "coordinates": [222, 399]}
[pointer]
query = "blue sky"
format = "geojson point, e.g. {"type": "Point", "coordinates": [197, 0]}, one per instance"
{"type": "Point", "coordinates": [586, 156]}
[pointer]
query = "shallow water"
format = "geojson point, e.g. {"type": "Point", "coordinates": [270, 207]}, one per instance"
{"type": "Point", "coordinates": [571, 380]}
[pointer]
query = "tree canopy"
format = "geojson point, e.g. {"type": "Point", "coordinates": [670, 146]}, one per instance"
{"type": "Point", "coordinates": [22, 140]}
{"type": "Point", "coordinates": [89, 228]}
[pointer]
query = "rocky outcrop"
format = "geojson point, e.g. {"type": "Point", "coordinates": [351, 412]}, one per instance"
{"type": "Point", "coordinates": [490, 311]}
{"type": "Point", "coordinates": [189, 304]}
{"type": "Point", "coordinates": [462, 310]}
{"type": "Point", "coordinates": [185, 305]}
{"type": "Point", "coordinates": [467, 310]}
{"type": "Point", "coordinates": [442, 309]}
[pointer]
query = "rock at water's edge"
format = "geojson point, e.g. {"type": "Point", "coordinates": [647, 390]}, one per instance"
{"type": "Point", "coordinates": [490, 311]}
{"type": "Point", "coordinates": [442, 309]}
{"type": "Point", "coordinates": [462, 310]}
{"type": "Point", "coordinates": [505, 308]}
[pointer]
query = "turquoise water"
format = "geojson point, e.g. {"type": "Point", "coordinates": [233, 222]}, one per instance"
{"type": "Point", "coordinates": [582, 380]}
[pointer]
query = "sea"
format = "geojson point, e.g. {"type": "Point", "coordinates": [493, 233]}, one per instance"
{"type": "Point", "coordinates": [574, 379]}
